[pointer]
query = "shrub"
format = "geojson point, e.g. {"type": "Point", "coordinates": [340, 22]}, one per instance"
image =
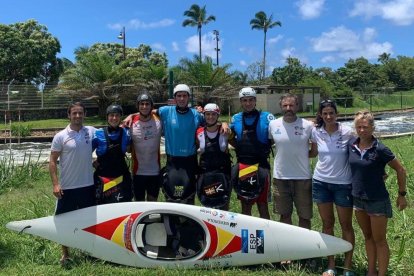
{"type": "Point", "coordinates": [21, 130]}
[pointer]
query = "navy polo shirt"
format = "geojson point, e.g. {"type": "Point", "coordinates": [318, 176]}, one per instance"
{"type": "Point", "coordinates": [368, 169]}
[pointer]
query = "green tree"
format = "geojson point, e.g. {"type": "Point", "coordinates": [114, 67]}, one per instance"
{"type": "Point", "coordinates": [262, 22]}
{"type": "Point", "coordinates": [96, 76]}
{"type": "Point", "coordinates": [197, 17]}
{"type": "Point", "coordinates": [292, 73]}
{"type": "Point", "coordinates": [28, 53]}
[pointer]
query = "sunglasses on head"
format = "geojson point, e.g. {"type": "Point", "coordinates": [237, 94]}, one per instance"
{"type": "Point", "coordinates": [362, 113]}
{"type": "Point", "coordinates": [327, 101]}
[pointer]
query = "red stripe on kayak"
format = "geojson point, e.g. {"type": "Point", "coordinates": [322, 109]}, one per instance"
{"type": "Point", "coordinates": [213, 240]}
{"type": "Point", "coordinates": [233, 246]}
{"type": "Point", "coordinates": [105, 229]}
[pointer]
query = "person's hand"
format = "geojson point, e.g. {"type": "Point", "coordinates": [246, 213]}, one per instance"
{"type": "Point", "coordinates": [401, 203]}
{"type": "Point", "coordinates": [127, 122]}
{"type": "Point", "coordinates": [57, 191]}
{"type": "Point", "coordinates": [225, 129]}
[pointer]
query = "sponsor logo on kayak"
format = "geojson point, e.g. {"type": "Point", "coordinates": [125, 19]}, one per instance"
{"type": "Point", "coordinates": [216, 221]}
{"type": "Point", "coordinates": [253, 242]}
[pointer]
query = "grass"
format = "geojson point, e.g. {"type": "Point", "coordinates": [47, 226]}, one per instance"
{"type": "Point", "coordinates": [31, 196]}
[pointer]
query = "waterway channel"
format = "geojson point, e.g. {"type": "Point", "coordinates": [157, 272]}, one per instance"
{"type": "Point", "coordinates": [386, 124]}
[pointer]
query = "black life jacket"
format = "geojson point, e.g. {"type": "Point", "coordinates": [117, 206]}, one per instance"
{"type": "Point", "coordinates": [213, 159]}
{"type": "Point", "coordinates": [112, 163]}
{"type": "Point", "coordinates": [249, 149]}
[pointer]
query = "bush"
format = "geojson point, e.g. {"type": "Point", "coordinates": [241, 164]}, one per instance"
{"type": "Point", "coordinates": [21, 130]}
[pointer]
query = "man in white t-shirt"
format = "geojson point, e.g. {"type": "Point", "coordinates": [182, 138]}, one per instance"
{"type": "Point", "coordinates": [291, 169]}
{"type": "Point", "coordinates": [74, 188]}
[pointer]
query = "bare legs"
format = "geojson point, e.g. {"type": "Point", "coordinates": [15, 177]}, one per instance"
{"type": "Point", "coordinates": [262, 207]}
{"type": "Point", "coordinates": [374, 229]}
{"type": "Point", "coordinates": [328, 222]}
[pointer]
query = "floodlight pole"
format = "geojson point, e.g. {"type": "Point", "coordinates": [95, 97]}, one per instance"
{"type": "Point", "coordinates": [216, 33]}
{"type": "Point", "coordinates": [122, 36]}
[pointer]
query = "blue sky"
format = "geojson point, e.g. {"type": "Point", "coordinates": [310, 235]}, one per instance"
{"type": "Point", "coordinates": [318, 32]}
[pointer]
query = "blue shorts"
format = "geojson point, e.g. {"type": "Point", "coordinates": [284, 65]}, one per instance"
{"type": "Point", "coordinates": [340, 194]}
{"type": "Point", "coordinates": [374, 207]}
{"type": "Point", "coordinates": [73, 199]}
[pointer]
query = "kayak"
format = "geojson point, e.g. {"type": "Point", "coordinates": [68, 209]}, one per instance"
{"type": "Point", "coordinates": [153, 234]}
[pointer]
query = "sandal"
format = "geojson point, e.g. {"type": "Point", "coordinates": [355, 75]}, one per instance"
{"type": "Point", "coordinates": [329, 272]}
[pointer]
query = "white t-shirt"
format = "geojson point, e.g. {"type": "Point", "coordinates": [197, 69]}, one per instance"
{"type": "Point", "coordinates": [292, 148]}
{"type": "Point", "coordinates": [332, 166]}
{"type": "Point", "coordinates": [75, 160]}
{"type": "Point", "coordinates": [146, 139]}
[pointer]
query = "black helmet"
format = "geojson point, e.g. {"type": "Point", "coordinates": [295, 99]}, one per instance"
{"type": "Point", "coordinates": [114, 108]}
{"type": "Point", "coordinates": [145, 97]}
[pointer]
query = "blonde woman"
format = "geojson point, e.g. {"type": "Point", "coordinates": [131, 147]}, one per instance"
{"type": "Point", "coordinates": [368, 158]}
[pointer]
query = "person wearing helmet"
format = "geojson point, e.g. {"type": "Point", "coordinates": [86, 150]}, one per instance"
{"type": "Point", "coordinates": [179, 124]}
{"type": "Point", "coordinates": [112, 177]}
{"type": "Point", "coordinates": [146, 130]}
{"type": "Point", "coordinates": [251, 175]}
{"type": "Point", "coordinates": [213, 185]}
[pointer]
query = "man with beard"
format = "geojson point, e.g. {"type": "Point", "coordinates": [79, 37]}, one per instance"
{"type": "Point", "coordinates": [146, 130]}
{"type": "Point", "coordinates": [72, 146]}
{"type": "Point", "coordinates": [291, 169]}
{"type": "Point", "coordinates": [251, 174]}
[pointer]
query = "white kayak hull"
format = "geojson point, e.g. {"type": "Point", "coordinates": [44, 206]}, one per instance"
{"type": "Point", "coordinates": [139, 234]}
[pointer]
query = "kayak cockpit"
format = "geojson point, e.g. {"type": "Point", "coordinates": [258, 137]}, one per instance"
{"type": "Point", "coordinates": [169, 237]}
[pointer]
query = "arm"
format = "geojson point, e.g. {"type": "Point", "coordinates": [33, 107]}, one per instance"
{"type": "Point", "coordinates": [57, 190]}
{"type": "Point", "coordinates": [225, 129]}
{"type": "Point", "coordinates": [401, 179]}
{"type": "Point", "coordinates": [313, 151]}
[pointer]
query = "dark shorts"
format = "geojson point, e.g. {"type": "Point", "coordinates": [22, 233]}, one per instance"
{"type": "Point", "coordinates": [340, 194]}
{"type": "Point", "coordinates": [293, 191]}
{"type": "Point", "coordinates": [146, 184]}
{"type": "Point", "coordinates": [73, 199]}
{"type": "Point", "coordinates": [374, 207]}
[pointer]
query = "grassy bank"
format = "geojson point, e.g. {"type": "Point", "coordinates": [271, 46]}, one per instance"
{"type": "Point", "coordinates": [29, 196]}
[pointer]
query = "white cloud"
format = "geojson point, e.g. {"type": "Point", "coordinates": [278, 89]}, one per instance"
{"type": "Point", "coordinates": [243, 63]}
{"type": "Point", "coordinates": [175, 46]}
{"type": "Point", "coordinates": [158, 46]}
{"type": "Point", "coordinates": [138, 24]}
{"type": "Point", "coordinates": [400, 12]}
{"type": "Point", "coordinates": [328, 59]}
{"type": "Point", "coordinates": [344, 43]}
{"type": "Point", "coordinates": [310, 9]}
{"type": "Point", "coordinates": [208, 45]}
{"type": "Point", "coordinates": [274, 40]}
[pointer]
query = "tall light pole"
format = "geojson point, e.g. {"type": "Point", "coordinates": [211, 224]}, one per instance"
{"type": "Point", "coordinates": [122, 36]}
{"type": "Point", "coordinates": [216, 33]}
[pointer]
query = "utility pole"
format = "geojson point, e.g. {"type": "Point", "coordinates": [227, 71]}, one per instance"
{"type": "Point", "coordinates": [216, 33]}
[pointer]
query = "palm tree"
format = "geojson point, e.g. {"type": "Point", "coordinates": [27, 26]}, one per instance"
{"type": "Point", "coordinates": [197, 17]}
{"type": "Point", "coordinates": [261, 22]}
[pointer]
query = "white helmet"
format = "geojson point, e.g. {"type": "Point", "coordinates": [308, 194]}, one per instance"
{"type": "Point", "coordinates": [182, 88]}
{"type": "Point", "coordinates": [212, 107]}
{"type": "Point", "coordinates": [247, 92]}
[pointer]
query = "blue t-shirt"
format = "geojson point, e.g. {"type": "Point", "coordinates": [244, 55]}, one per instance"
{"type": "Point", "coordinates": [261, 129]}
{"type": "Point", "coordinates": [99, 140]}
{"type": "Point", "coordinates": [368, 169]}
{"type": "Point", "coordinates": [180, 130]}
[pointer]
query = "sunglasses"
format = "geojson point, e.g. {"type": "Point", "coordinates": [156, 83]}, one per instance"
{"type": "Point", "coordinates": [362, 113]}
{"type": "Point", "coordinates": [327, 101]}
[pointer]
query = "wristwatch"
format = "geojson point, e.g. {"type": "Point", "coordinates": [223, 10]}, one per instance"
{"type": "Point", "coordinates": [402, 193]}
